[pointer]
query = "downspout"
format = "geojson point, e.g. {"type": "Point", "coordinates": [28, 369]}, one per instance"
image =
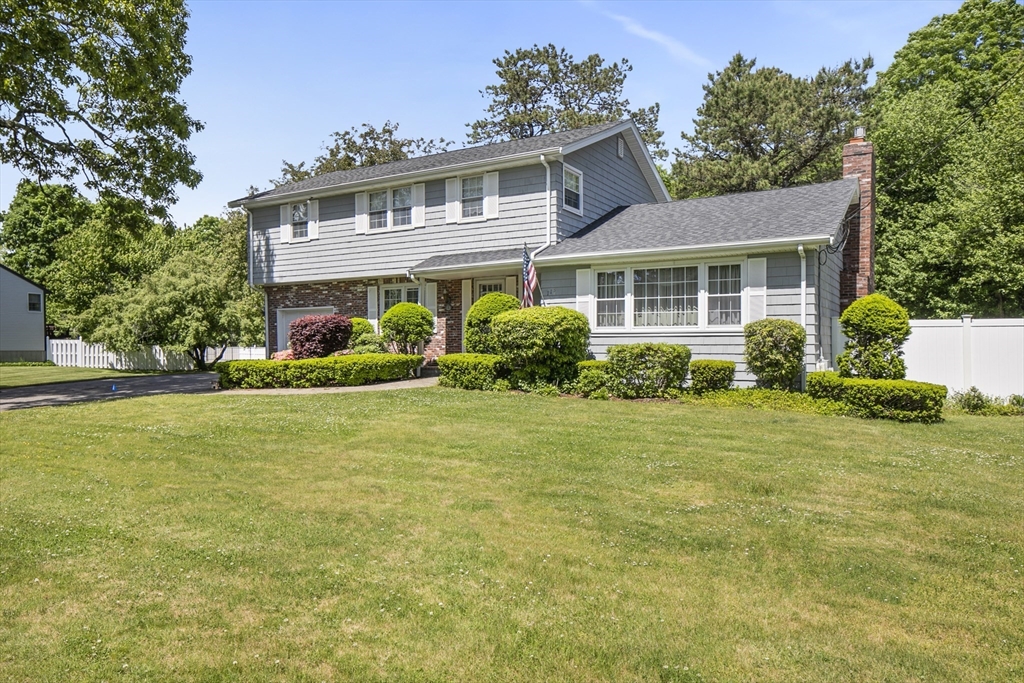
{"type": "Point", "coordinates": [547, 195]}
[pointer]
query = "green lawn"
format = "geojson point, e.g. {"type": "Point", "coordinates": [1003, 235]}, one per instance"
{"type": "Point", "coordinates": [445, 535]}
{"type": "Point", "coordinates": [23, 376]}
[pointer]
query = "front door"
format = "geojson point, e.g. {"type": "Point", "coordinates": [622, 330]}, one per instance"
{"type": "Point", "coordinates": [488, 286]}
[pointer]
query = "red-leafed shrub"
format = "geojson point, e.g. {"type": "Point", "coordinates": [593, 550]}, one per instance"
{"type": "Point", "coordinates": [283, 355]}
{"type": "Point", "coordinates": [317, 336]}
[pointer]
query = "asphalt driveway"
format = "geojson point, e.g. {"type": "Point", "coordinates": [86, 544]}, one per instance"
{"type": "Point", "coordinates": [104, 389]}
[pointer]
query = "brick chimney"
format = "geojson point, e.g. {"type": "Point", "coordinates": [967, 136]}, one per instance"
{"type": "Point", "coordinates": [857, 278]}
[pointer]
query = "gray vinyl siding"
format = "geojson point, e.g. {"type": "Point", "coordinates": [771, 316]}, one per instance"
{"type": "Point", "coordinates": [558, 284]}
{"type": "Point", "coordinates": [608, 182]}
{"type": "Point", "coordinates": [340, 253]}
{"type": "Point", "coordinates": [829, 304]}
{"type": "Point", "coordinates": [784, 296]}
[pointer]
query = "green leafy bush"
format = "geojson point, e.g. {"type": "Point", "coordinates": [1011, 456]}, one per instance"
{"type": "Point", "coordinates": [360, 326]}
{"type": "Point", "coordinates": [345, 371]}
{"type": "Point", "coordinates": [541, 343]}
{"type": "Point", "coordinates": [975, 402]}
{"type": "Point", "coordinates": [890, 399]}
{"type": "Point", "coordinates": [590, 381]}
{"type": "Point", "coordinates": [478, 320]}
{"type": "Point", "coordinates": [405, 325]}
{"type": "Point", "coordinates": [370, 343]}
{"type": "Point", "coordinates": [877, 327]}
{"type": "Point", "coordinates": [469, 370]}
{"type": "Point", "coordinates": [774, 352]}
{"type": "Point", "coordinates": [711, 375]}
{"type": "Point", "coordinates": [646, 370]}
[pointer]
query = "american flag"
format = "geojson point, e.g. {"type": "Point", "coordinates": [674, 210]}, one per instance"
{"type": "Point", "coordinates": [529, 279]}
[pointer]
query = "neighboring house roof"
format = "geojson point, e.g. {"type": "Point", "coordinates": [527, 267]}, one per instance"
{"type": "Point", "coordinates": [808, 213]}
{"type": "Point", "coordinates": [19, 275]}
{"type": "Point", "coordinates": [553, 143]}
{"type": "Point", "coordinates": [476, 258]}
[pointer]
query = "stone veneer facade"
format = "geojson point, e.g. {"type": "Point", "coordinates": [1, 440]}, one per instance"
{"type": "Point", "coordinates": [857, 278]}
{"type": "Point", "coordinates": [348, 297]}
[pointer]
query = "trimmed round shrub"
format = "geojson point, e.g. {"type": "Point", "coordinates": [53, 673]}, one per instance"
{"type": "Point", "coordinates": [478, 320]}
{"type": "Point", "coordinates": [888, 399]}
{"type": "Point", "coordinates": [876, 327]}
{"type": "Point", "coordinates": [317, 336]}
{"type": "Point", "coordinates": [360, 326]}
{"type": "Point", "coordinates": [469, 370]}
{"type": "Point", "coordinates": [646, 370]}
{"type": "Point", "coordinates": [541, 343]}
{"type": "Point", "coordinates": [711, 375]}
{"type": "Point", "coordinates": [405, 325]}
{"type": "Point", "coordinates": [370, 343]}
{"type": "Point", "coordinates": [592, 378]}
{"type": "Point", "coordinates": [774, 352]}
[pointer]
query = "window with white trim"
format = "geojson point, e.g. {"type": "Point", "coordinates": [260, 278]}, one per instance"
{"type": "Point", "coordinates": [611, 298]}
{"type": "Point", "coordinates": [724, 294]}
{"type": "Point", "coordinates": [399, 294]}
{"type": "Point", "coordinates": [401, 206]}
{"type": "Point", "coordinates": [378, 210]}
{"type": "Point", "coordinates": [665, 297]}
{"type": "Point", "coordinates": [571, 188]}
{"type": "Point", "coordinates": [35, 302]}
{"type": "Point", "coordinates": [473, 197]}
{"type": "Point", "coordinates": [300, 220]}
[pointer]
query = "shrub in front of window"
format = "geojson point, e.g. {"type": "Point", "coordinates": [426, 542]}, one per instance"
{"type": "Point", "coordinates": [711, 375]}
{"type": "Point", "coordinates": [345, 371]}
{"type": "Point", "coordinates": [889, 399]}
{"type": "Point", "coordinates": [541, 343]}
{"type": "Point", "coordinates": [478, 320]}
{"type": "Point", "coordinates": [478, 371]}
{"type": "Point", "coordinates": [360, 326]}
{"type": "Point", "coordinates": [405, 325]}
{"type": "Point", "coordinates": [646, 370]}
{"type": "Point", "coordinates": [316, 336]}
{"type": "Point", "coordinates": [774, 352]}
{"type": "Point", "coordinates": [877, 327]}
{"type": "Point", "coordinates": [370, 343]}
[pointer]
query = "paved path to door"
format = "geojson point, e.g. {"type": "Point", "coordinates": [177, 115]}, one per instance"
{"type": "Point", "coordinates": [152, 385]}
{"type": "Point", "coordinates": [101, 389]}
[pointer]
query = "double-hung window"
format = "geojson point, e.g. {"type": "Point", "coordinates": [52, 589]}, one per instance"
{"type": "Point", "coordinates": [300, 220]}
{"type": "Point", "coordinates": [473, 197]}
{"type": "Point", "coordinates": [398, 294]}
{"type": "Point", "coordinates": [401, 206]}
{"type": "Point", "coordinates": [572, 187]}
{"type": "Point", "coordinates": [664, 297]}
{"type": "Point", "coordinates": [35, 302]}
{"type": "Point", "coordinates": [379, 210]}
{"type": "Point", "coordinates": [611, 298]}
{"type": "Point", "coordinates": [724, 294]}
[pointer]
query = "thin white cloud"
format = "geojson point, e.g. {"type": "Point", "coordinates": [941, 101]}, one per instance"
{"type": "Point", "coordinates": [678, 50]}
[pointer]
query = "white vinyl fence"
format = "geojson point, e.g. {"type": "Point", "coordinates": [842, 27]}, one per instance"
{"type": "Point", "coordinates": [78, 354]}
{"type": "Point", "coordinates": [964, 353]}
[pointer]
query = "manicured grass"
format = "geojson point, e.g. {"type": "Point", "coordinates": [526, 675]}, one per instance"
{"type": "Point", "coordinates": [448, 535]}
{"type": "Point", "coordinates": [23, 376]}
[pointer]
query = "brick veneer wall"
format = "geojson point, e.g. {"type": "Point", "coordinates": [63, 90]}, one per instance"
{"type": "Point", "coordinates": [348, 297]}
{"type": "Point", "coordinates": [857, 278]}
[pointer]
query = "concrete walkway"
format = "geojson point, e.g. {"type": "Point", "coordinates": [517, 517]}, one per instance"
{"type": "Point", "coordinates": [101, 389]}
{"type": "Point", "coordinates": [152, 385]}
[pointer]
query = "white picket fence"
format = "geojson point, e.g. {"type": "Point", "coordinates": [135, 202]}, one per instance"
{"type": "Point", "coordinates": [963, 353]}
{"type": "Point", "coordinates": [78, 354]}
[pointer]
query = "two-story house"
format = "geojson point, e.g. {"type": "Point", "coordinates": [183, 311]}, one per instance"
{"type": "Point", "coordinates": [444, 229]}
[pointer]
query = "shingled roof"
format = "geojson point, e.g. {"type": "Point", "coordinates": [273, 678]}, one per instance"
{"type": "Point", "coordinates": [435, 162]}
{"type": "Point", "coordinates": [770, 215]}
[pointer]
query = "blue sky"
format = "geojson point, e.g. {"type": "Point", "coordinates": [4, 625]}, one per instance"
{"type": "Point", "coordinates": [272, 80]}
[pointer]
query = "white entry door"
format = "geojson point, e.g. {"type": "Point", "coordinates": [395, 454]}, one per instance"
{"type": "Point", "coordinates": [488, 286]}
{"type": "Point", "coordinates": [285, 316]}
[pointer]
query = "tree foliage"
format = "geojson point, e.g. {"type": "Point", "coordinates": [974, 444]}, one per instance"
{"type": "Point", "coordinates": [36, 220]}
{"type": "Point", "coordinates": [354, 148]}
{"type": "Point", "coordinates": [544, 89]}
{"type": "Point", "coordinates": [949, 130]}
{"type": "Point", "coordinates": [764, 128]}
{"type": "Point", "coordinates": [91, 88]}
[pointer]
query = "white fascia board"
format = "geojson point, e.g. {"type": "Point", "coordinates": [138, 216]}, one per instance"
{"type": "Point", "coordinates": [388, 181]}
{"type": "Point", "coordinates": [637, 147]}
{"type": "Point", "coordinates": [698, 250]}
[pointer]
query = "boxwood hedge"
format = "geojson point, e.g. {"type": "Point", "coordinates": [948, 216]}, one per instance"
{"type": "Point", "coordinates": [469, 370]}
{"type": "Point", "coordinates": [890, 399]}
{"type": "Point", "coordinates": [343, 371]}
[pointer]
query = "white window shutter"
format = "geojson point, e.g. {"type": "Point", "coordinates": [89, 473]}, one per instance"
{"type": "Point", "coordinates": [430, 300]}
{"type": "Point", "coordinates": [419, 205]}
{"type": "Point", "coordinates": [757, 289]}
{"type": "Point", "coordinates": [286, 223]}
{"type": "Point", "coordinates": [511, 285]}
{"type": "Point", "coordinates": [491, 195]}
{"type": "Point", "coordinates": [583, 294]}
{"type": "Point", "coordinates": [467, 301]}
{"type": "Point", "coordinates": [371, 306]}
{"type": "Point", "coordinates": [362, 217]}
{"type": "Point", "coordinates": [314, 219]}
{"type": "Point", "coordinates": [451, 200]}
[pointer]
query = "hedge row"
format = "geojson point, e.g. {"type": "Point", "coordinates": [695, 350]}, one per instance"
{"type": "Point", "coordinates": [711, 375]}
{"type": "Point", "coordinates": [890, 399]}
{"type": "Point", "coordinates": [342, 371]}
{"type": "Point", "coordinates": [469, 370]}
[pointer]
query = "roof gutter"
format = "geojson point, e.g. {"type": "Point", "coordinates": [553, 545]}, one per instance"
{"type": "Point", "coordinates": [781, 244]}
